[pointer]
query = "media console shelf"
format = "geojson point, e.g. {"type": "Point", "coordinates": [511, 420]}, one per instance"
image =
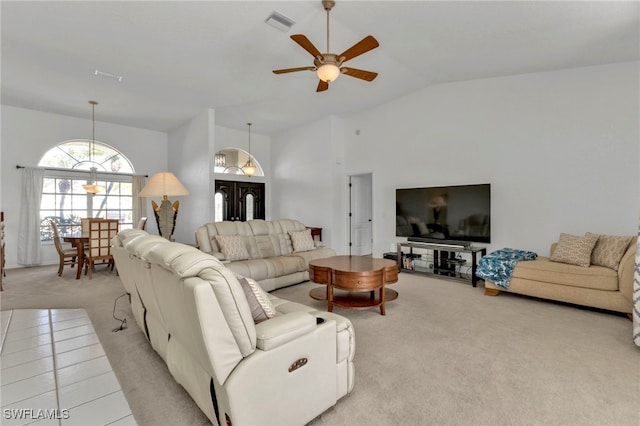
{"type": "Point", "coordinates": [444, 262]}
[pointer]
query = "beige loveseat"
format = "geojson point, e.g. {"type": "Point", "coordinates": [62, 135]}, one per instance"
{"type": "Point", "coordinates": [275, 253]}
{"type": "Point", "coordinates": [238, 368]}
{"type": "Point", "coordinates": [593, 285]}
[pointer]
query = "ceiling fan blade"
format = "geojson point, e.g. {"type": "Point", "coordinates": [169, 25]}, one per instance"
{"type": "Point", "coordinates": [363, 46]}
{"type": "Point", "coordinates": [306, 45]}
{"type": "Point", "coordinates": [322, 86]}
{"type": "Point", "coordinates": [361, 74]}
{"type": "Point", "coordinates": [286, 70]}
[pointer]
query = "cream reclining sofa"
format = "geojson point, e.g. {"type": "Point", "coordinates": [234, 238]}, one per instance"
{"type": "Point", "coordinates": [263, 250]}
{"type": "Point", "coordinates": [285, 370]}
{"type": "Point", "coordinates": [596, 286]}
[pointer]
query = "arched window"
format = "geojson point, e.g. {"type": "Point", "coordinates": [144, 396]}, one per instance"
{"type": "Point", "coordinates": [77, 154]}
{"type": "Point", "coordinates": [231, 161]}
{"type": "Point", "coordinates": [64, 200]}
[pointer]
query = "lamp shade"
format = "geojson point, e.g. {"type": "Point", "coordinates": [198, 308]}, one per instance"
{"type": "Point", "coordinates": [163, 185]}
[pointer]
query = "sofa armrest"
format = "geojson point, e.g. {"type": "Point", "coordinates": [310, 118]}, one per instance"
{"type": "Point", "coordinates": [279, 330]}
{"type": "Point", "coordinates": [202, 240]}
{"type": "Point", "coordinates": [216, 254]}
{"type": "Point", "coordinates": [625, 272]}
{"type": "Point", "coordinates": [220, 256]}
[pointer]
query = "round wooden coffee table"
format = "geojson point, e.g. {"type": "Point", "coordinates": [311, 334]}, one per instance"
{"type": "Point", "coordinates": [362, 280]}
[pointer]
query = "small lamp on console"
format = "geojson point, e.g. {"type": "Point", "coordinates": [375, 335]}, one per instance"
{"type": "Point", "coordinates": [165, 185]}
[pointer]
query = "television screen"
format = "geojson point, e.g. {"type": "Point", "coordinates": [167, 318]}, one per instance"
{"type": "Point", "coordinates": [444, 213]}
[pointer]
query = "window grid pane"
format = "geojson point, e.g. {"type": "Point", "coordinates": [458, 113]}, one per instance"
{"type": "Point", "coordinates": [66, 202]}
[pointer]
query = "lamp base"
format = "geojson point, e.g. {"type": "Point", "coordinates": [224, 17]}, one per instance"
{"type": "Point", "coordinates": [166, 214]}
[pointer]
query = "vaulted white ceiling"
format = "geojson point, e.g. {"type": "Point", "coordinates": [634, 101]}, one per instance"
{"type": "Point", "coordinates": [179, 58]}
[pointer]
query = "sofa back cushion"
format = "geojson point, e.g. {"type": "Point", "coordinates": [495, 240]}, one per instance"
{"type": "Point", "coordinates": [289, 225]}
{"type": "Point", "coordinates": [264, 238]}
{"type": "Point", "coordinates": [206, 235]}
{"type": "Point", "coordinates": [263, 233]}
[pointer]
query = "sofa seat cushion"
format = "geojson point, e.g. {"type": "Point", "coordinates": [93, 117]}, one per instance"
{"type": "Point", "coordinates": [308, 256]}
{"type": "Point", "coordinates": [285, 306]}
{"type": "Point", "coordinates": [545, 270]}
{"type": "Point", "coordinates": [262, 269]}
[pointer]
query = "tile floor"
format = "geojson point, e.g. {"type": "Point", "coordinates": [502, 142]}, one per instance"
{"type": "Point", "coordinates": [54, 371]}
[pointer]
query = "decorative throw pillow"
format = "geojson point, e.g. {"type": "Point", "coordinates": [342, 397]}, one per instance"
{"type": "Point", "coordinates": [574, 250]}
{"type": "Point", "coordinates": [233, 247]}
{"type": "Point", "coordinates": [259, 302]}
{"type": "Point", "coordinates": [609, 250]}
{"type": "Point", "coordinates": [302, 240]}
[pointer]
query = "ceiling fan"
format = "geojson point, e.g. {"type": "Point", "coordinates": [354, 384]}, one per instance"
{"type": "Point", "coordinates": [328, 66]}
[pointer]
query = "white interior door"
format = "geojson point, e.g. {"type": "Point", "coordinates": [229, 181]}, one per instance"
{"type": "Point", "coordinates": [361, 214]}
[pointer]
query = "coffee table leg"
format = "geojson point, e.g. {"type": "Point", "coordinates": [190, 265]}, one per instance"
{"type": "Point", "coordinates": [382, 311]}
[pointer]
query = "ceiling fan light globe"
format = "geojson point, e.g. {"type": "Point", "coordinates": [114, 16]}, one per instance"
{"type": "Point", "coordinates": [328, 72]}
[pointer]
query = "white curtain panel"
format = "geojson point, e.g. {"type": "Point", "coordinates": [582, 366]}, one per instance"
{"type": "Point", "coordinates": [139, 204]}
{"type": "Point", "coordinates": [29, 225]}
{"type": "Point", "coordinates": [636, 294]}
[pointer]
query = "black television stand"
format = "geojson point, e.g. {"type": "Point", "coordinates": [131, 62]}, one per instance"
{"type": "Point", "coordinates": [444, 264]}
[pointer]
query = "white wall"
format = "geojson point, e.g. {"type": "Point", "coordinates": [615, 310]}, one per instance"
{"type": "Point", "coordinates": [190, 148]}
{"type": "Point", "coordinates": [191, 151]}
{"type": "Point", "coordinates": [28, 134]}
{"type": "Point", "coordinates": [308, 176]}
{"type": "Point", "coordinates": [559, 148]}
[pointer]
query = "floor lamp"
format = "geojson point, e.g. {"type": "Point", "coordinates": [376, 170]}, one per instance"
{"type": "Point", "coordinates": [165, 185]}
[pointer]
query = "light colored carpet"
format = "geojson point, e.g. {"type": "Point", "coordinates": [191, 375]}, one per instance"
{"type": "Point", "coordinates": [444, 354]}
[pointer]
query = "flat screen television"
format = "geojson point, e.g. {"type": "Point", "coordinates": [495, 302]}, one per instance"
{"type": "Point", "coordinates": [458, 214]}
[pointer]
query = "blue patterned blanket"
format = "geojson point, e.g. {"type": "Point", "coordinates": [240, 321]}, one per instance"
{"type": "Point", "coordinates": [497, 266]}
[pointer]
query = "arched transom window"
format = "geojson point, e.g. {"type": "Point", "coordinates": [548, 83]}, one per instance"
{"type": "Point", "coordinates": [77, 154]}
{"type": "Point", "coordinates": [232, 160]}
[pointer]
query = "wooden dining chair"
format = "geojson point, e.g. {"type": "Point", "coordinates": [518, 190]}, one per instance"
{"type": "Point", "coordinates": [68, 256]}
{"type": "Point", "coordinates": [101, 231]}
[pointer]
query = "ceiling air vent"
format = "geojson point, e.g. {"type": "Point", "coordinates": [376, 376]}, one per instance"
{"type": "Point", "coordinates": [279, 21]}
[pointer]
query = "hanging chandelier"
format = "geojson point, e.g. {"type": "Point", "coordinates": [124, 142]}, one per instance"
{"type": "Point", "coordinates": [91, 186]}
{"type": "Point", "coordinates": [249, 168]}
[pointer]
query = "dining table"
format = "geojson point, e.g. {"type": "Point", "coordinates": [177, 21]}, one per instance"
{"type": "Point", "coordinates": [78, 240]}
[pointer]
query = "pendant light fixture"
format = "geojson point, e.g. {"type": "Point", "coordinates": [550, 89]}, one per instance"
{"type": "Point", "coordinates": [249, 168]}
{"type": "Point", "coordinates": [92, 187]}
